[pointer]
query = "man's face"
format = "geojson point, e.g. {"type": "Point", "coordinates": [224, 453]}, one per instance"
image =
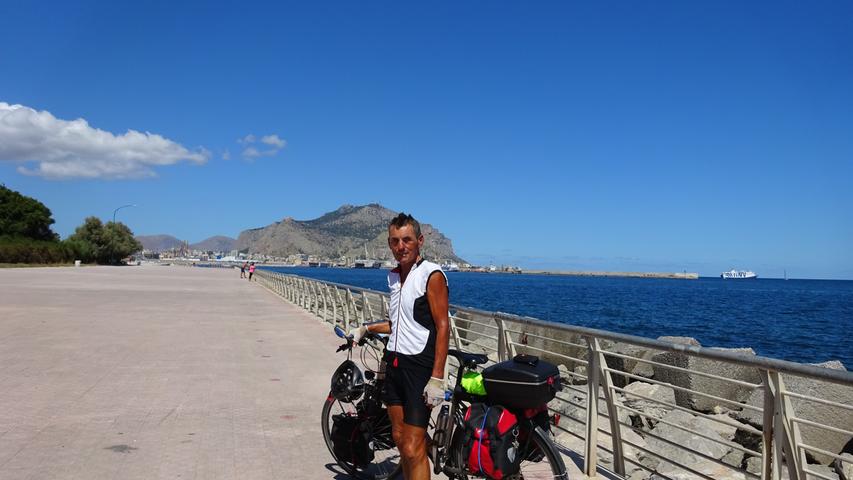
{"type": "Point", "coordinates": [404, 244]}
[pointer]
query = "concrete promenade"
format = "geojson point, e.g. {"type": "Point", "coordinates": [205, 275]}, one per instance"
{"type": "Point", "coordinates": [158, 372]}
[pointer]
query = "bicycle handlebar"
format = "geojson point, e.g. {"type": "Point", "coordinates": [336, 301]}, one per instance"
{"type": "Point", "coordinates": [348, 346]}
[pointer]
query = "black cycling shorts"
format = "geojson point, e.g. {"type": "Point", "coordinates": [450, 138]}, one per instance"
{"type": "Point", "coordinates": [405, 386]}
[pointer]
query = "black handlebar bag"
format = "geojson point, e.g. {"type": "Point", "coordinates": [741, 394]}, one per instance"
{"type": "Point", "coordinates": [521, 383]}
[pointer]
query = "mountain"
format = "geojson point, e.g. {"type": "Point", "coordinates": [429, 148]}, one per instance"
{"type": "Point", "coordinates": [219, 243]}
{"type": "Point", "coordinates": [158, 243]}
{"type": "Point", "coordinates": [350, 231]}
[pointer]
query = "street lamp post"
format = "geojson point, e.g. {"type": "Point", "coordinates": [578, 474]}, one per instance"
{"type": "Point", "coordinates": [114, 219]}
{"type": "Point", "coordinates": [119, 208]}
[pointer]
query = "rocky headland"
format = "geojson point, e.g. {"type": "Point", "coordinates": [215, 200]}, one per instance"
{"type": "Point", "coordinates": [350, 231]}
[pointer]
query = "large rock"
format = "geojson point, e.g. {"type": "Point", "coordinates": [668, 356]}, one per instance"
{"type": "Point", "coordinates": [844, 469]}
{"type": "Point", "coordinates": [605, 444]}
{"type": "Point", "coordinates": [652, 409]}
{"type": "Point", "coordinates": [682, 446]}
{"type": "Point", "coordinates": [724, 425]}
{"type": "Point", "coordinates": [827, 472]}
{"type": "Point", "coordinates": [550, 340]}
{"type": "Point", "coordinates": [627, 365]}
{"type": "Point", "coordinates": [701, 383]}
{"type": "Point", "coordinates": [630, 365]}
{"type": "Point", "coordinates": [566, 404]}
{"type": "Point", "coordinates": [753, 465]}
{"type": "Point", "coordinates": [816, 412]}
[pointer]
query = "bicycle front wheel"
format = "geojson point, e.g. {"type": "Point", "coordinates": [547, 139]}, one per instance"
{"type": "Point", "coordinates": [386, 461]}
{"type": "Point", "coordinates": [536, 466]}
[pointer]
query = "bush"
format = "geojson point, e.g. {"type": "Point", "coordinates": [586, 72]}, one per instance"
{"type": "Point", "coordinates": [25, 250]}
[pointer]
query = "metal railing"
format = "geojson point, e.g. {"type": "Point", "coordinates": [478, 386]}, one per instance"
{"type": "Point", "coordinates": [692, 404]}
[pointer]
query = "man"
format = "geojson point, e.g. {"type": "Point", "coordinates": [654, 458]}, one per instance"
{"type": "Point", "coordinates": [417, 346]}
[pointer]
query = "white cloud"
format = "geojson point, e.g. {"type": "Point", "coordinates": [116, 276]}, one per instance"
{"type": "Point", "coordinates": [251, 152]}
{"type": "Point", "coordinates": [226, 155]}
{"type": "Point", "coordinates": [63, 149]}
{"type": "Point", "coordinates": [274, 143]}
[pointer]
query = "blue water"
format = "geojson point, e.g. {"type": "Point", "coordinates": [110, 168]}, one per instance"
{"type": "Point", "coordinates": [798, 320]}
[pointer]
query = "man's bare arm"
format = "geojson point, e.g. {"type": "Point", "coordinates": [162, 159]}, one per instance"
{"type": "Point", "coordinates": [379, 327]}
{"type": "Point", "coordinates": [437, 296]}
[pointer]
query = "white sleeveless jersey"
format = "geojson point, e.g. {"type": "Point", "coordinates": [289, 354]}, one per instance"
{"type": "Point", "coordinates": [412, 326]}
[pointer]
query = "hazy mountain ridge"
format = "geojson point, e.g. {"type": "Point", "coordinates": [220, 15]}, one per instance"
{"type": "Point", "coordinates": [350, 231]}
{"type": "Point", "coordinates": [159, 243]}
{"type": "Point", "coordinates": [217, 243]}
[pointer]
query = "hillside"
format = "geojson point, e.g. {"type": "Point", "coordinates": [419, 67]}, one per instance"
{"type": "Point", "coordinates": [219, 243]}
{"type": "Point", "coordinates": [350, 231]}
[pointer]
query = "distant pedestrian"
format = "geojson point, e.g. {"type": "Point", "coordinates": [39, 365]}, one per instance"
{"type": "Point", "coordinates": [243, 269]}
{"type": "Point", "coordinates": [251, 270]}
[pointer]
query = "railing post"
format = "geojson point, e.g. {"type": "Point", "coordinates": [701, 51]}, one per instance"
{"type": "Point", "coordinates": [351, 309]}
{"type": "Point", "coordinates": [786, 434]}
{"type": "Point", "coordinates": [612, 410]}
{"type": "Point", "coordinates": [364, 306]}
{"type": "Point", "coordinates": [502, 338]}
{"type": "Point", "coordinates": [326, 297]}
{"type": "Point", "coordinates": [321, 295]}
{"type": "Point", "coordinates": [454, 332]}
{"type": "Point", "coordinates": [591, 439]}
{"type": "Point", "coordinates": [335, 299]}
{"type": "Point", "coordinates": [768, 471]}
{"type": "Point", "coordinates": [350, 302]}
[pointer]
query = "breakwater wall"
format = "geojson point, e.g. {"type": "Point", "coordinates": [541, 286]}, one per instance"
{"type": "Point", "coordinates": [648, 408]}
{"type": "Point", "coordinates": [674, 275]}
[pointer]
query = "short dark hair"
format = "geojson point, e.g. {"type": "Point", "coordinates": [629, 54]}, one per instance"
{"type": "Point", "coordinates": [404, 219]}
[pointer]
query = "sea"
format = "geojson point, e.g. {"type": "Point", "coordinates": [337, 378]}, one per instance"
{"type": "Point", "coordinates": [809, 321]}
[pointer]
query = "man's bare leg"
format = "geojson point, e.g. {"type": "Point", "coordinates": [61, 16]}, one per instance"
{"type": "Point", "coordinates": [411, 442]}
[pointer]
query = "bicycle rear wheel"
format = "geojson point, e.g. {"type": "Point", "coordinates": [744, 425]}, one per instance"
{"type": "Point", "coordinates": [386, 462]}
{"type": "Point", "coordinates": [549, 466]}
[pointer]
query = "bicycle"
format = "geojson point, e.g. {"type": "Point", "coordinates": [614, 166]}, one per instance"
{"type": "Point", "coordinates": [540, 457]}
{"type": "Point", "coordinates": [366, 408]}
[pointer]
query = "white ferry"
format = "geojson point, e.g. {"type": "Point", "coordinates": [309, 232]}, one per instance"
{"type": "Point", "coordinates": [450, 267]}
{"type": "Point", "coordinates": [738, 274]}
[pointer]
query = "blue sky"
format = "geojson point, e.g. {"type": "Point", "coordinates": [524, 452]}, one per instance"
{"type": "Point", "coordinates": [660, 136]}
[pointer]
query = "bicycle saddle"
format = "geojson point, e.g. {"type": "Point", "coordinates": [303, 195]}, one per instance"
{"type": "Point", "coordinates": [466, 358]}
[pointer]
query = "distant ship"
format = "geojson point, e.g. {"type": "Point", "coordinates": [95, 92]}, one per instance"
{"type": "Point", "coordinates": [450, 267]}
{"type": "Point", "coordinates": [738, 274]}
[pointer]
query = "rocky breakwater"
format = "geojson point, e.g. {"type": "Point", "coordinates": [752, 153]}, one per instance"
{"type": "Point", "coordinates": [680, 416]}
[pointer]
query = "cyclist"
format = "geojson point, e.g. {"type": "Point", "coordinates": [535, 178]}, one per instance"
{"type": "Point", "coordinates": [417, 346]}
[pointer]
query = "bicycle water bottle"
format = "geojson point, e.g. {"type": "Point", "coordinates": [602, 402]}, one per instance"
{"type": "Point", "coordinates": [442, 425]}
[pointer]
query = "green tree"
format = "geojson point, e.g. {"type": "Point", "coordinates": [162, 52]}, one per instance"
{"type": "Point", "coordinates": [117, 242]}
{"type": "Point", "coordinates": [22, 216]}
{"type": "Point", "coordinates": [104, 243]}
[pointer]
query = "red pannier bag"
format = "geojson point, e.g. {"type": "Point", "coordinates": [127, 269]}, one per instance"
{"type": "Point", "coordinates": [491, 441]}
